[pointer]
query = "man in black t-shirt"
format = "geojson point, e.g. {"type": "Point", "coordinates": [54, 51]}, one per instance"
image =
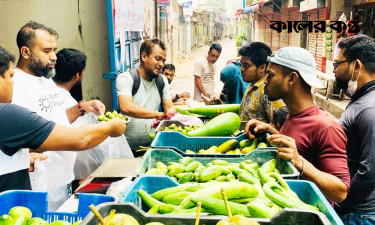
{"type": "Point", "coordinates": [21, 128]}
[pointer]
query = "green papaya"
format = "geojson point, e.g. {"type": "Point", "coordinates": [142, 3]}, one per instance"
{"type": "Point", "coordinates": [223, 125]}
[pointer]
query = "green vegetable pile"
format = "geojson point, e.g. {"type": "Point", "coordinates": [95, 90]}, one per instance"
{"type": "Point", "coordinates": [189, 170]}
{"type": "Point", "coordinates": [252, 191]}
{"type": "Point", "coordinates": [184, 129]}
{"type": "Point", "coordinates": [20, 215]}
{"type": "Point", "coordinates": [110, 115]}
{"type": "Point", "coordinates": [229, 147]}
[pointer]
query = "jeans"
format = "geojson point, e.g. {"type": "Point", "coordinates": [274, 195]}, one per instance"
{"type": "Point", "coordinates": [367, 218]}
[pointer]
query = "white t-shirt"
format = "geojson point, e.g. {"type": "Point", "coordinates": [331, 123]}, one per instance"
{"type": "Point", "coordinates": [42, 96]}
{"type": "Point", "coordinates": [206, 71]}
{"type": "Point", "coordinates": [67, 98]}
{"type": "Point", "coordinates": [148, 97]}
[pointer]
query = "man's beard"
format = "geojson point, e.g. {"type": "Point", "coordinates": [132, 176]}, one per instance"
{"type": "Point", "coordinates": [151, 74]}
{"type": "Point", "coordinates": [39, 69]}
{"type": "Point", "coordinates": [341, 84]}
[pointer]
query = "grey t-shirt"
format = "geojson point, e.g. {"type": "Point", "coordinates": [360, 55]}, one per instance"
{"type": "Point", "coordinates": [148, 97]}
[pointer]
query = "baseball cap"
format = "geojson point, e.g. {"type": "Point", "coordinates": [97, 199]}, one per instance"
{"type": "Point", "coordinates": [299, 59]}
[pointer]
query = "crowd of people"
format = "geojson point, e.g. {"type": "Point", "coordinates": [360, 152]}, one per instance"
{"type": "Point", "coordinates": [274, 91]}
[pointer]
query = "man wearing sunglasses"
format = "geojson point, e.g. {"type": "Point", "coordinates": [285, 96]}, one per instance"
{"type": "Point", "coordinates": [354, 68]}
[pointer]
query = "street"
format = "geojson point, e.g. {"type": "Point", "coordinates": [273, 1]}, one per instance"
{"type": "Point", "coordinates": [184, 80]}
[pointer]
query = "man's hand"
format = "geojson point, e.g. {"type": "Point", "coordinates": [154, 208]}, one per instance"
{"type": "Point", "coordinates": [94, 106]}
{"type": "Point", "coordinates": [33, 157]}
{"type": "Point", "coordinates": [214, 100]}
{"type": "Point", "coordinates": [286, 147]}
{"type": "Point", "coordinates": [171, 112]}
{"type": "Point", "coordinates": [184, 94]}
{"type": "Point", "coordinates": [254, 127]}
{"type": "Point", "coordinates": [181, 101]}
{"type": "Point", "coordinates": [118, 127]}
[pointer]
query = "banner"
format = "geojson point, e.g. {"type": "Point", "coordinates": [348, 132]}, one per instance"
{"type": "Point", "coordinates": [164, 2]}
{"type": "Point", "coordinates": [130, 15]}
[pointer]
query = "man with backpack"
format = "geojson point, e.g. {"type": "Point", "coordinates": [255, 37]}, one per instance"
{"type": "Point", "coordinates": [141, 91]}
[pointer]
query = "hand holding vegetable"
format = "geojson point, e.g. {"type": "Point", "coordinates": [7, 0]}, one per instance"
{"type": "Point", "coordinates": [286, 147]}
{"type": "Point", "coordinates": [257, 127]}
{"type": "Point", "coordinates": [117, 127]}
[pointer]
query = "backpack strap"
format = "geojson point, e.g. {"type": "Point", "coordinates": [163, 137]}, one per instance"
{"type": "Point", "coordinates": [160, 85]}
{"type": "Point", "coordinates": [136, 80]}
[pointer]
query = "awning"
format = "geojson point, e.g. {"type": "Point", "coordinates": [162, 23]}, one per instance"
{"type": "Point", "coordinates": [251, 9]}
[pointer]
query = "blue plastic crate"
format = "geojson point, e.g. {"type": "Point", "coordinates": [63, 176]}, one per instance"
{"type": "Point", "coordinates": [149, 160]}
{"type": "Point", "coordinates": [306, 191]}
{"type": "Point", "coordinates": [181, 143]}
{"type": "Point", "coordinates": [37, 203]}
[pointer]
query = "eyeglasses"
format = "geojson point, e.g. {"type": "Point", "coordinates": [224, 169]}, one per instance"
{"type": "Point", "coordinates": [337, 64]}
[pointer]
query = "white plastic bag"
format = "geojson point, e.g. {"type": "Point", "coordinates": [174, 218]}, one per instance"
{"type": "Point", "coordinates": [187, 120]}
{"type": "Point", "coordinates": [118, 188]}
{"type": "Point", "coordinates": [112, 147]}
{"type": "Point", "coordinates": [49, 177]}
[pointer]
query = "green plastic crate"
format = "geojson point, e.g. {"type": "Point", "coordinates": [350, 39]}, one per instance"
{"type": "Point", "coordinates": [152, 156]}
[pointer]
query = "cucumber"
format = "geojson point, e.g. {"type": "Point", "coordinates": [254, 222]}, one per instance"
{"type": "Point", "coordinates": [211, 110]}
{"type": "Point", "coordinates": [217, 206]}
{"type": "Point", "coordinates": [223, 125]}
{"type": "Point", "coordinates": [260, 208]}
{"type": "Point", "coordinates": [269, 166]}
{"type": "Point", "coordinates": [210, 173]}
{"type": "Point", "coordinates": [281, 197]}
{"type": "Point", "coordinates": [176, 198]}
{"type": "Point", "coordinates": [159, 195]}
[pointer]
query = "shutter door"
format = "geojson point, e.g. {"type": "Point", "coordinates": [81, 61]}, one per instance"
{"type": "Point", "coordinates": [284, 33]}
{"type": "Point", "coordinates": [316, 40]}
{"type": "Point", "coordinates": [275, 36]}
{"type": "Point", "coordinates": [261, 28]}
{"type": "Point", "coordinates": [294, 38]}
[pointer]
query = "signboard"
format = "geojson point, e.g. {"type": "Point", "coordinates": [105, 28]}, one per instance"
{"type": "Point", "coordinates": [130, 15]}
{"type": "Point", "coordinates": [164, 2]}
{"type": "Point", "coordinates": [186, 8]}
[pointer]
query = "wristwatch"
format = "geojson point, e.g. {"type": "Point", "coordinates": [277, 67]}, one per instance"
{"type": "Point", "coordinates": [79, 106]}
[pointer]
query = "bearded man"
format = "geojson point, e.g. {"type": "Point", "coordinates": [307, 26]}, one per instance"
{"type": "Point", "coordinates": [35, 90]}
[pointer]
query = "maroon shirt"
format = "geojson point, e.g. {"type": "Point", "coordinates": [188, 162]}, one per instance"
{"type": "Point", "coordinates": [320, 140]}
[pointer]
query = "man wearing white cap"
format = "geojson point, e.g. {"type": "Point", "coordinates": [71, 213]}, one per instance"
{"type": "Point", "coordinates": [310, 139]}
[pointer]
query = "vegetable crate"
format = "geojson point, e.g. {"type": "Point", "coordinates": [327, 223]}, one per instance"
{"type": "Point", "coordinates": [166, 123]}
{"type": "Point", "coordinates": [287, 216]}
{"type": "Point", "coordinates": [306, 191]}
{"type": "Point", "coordinates": [180, 143]}
{"type": "Point", "coordinates": [37, 203]}
{"type": "Point", "coordinates": [152, 156]}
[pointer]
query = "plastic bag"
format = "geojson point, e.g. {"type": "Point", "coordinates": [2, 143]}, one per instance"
{"type": "Point", "coordinates": [187, 120]}
{"type": "Point", "coordinates": [117, 189]}
{"type": "Point", "coordinates": [112, 147]}
{"type": "Point", "coordinates": [49, 177]}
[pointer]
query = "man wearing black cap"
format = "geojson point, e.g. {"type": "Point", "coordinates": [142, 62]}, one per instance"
{"type": "Point", "coordinates": [309, 138]}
